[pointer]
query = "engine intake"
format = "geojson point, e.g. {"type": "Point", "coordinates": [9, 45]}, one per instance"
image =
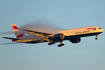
{"type": "Point", "coordinates": [58, 37]}
{"type": "Point", "coordinates": [75, 40]}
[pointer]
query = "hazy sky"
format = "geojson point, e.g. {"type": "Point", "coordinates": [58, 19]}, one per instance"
{"type": "Point", "coordinates": [89, 54]}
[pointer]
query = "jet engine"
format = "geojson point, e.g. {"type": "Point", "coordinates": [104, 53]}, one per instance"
{"type": "Point", "coordinates": [75, 40]}
{"type": "Point", "coordinates": [58, 37]}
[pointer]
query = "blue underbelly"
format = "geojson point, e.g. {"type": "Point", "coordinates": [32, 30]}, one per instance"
{"type": "Point", "coordinates": [80, 35]}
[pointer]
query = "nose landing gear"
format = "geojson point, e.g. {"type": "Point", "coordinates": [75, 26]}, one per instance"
{"type": "Point", "coordinates": [96, 36]}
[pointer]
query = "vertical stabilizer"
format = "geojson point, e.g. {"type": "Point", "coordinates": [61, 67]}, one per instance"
{"type": "Point", "coordinates": [18, 32]}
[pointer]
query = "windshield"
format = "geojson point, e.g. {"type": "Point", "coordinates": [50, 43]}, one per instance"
{"type": "Point", "coordinates": [99, 28]}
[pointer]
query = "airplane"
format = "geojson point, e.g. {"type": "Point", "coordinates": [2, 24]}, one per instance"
{"type": "Point", "coordinates": [73, 35]}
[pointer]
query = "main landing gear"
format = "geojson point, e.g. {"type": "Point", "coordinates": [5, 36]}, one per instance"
{"type": "Point", "coordinates": [96, 36]}
{"type": "Point", "coordinates": [51, 43]}
{"type": "Point", "coordinates": [61, 44]}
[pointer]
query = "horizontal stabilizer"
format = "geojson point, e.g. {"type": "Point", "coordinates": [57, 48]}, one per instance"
{"type": "Point", "coordinates": [11, 38]}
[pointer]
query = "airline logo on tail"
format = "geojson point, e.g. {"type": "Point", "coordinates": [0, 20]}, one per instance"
{"type": "Point", "coordinates": [15, 28]}
{"type": "Point", "coordinates": [17, 31]}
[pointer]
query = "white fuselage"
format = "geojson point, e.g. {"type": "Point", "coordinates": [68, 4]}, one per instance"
{"type": "Point", "coordinates": [70, 33]}
{"type": "Point", "coordinates": [82, 31]}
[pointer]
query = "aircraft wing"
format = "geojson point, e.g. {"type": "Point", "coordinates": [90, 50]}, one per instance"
{"type": "Point", "coordinates": [37, 33]}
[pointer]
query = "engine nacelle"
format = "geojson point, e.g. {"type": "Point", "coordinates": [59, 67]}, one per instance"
{"type": "Point", "coordinates": [58, 37]}
{"type": "Point", "coordinates": [75, 40]}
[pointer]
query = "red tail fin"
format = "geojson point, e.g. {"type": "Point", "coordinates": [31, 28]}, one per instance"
{"type": "Point", "coordinates": [17, 31]}
{"type": "Point", "coordinates": [15, 28]}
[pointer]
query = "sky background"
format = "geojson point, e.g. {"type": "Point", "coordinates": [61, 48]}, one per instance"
{"type": "Point", "coordinates": [89, 54]}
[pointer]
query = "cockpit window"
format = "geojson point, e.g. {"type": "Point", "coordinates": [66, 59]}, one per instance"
{"type": "Point", "coordinates": [99, 28]}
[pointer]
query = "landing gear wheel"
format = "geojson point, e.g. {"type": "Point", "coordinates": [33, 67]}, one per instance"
{"type": "Point", "coordinates": [60, 45]}
{"type": "Point", "coordinates": [51, 43]}
{"type": "Point", "coordinates": [96, 38]}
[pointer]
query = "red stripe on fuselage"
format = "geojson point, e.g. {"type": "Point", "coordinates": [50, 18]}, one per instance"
{"type": "Point", "coordinates": [91, 28]}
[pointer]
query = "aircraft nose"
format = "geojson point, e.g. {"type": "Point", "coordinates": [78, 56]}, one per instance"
{"type": "Point", "coordinates": [102, 30]}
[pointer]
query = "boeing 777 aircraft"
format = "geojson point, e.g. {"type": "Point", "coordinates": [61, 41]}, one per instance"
{"type": "Point", "coordinates": [73, 35]}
